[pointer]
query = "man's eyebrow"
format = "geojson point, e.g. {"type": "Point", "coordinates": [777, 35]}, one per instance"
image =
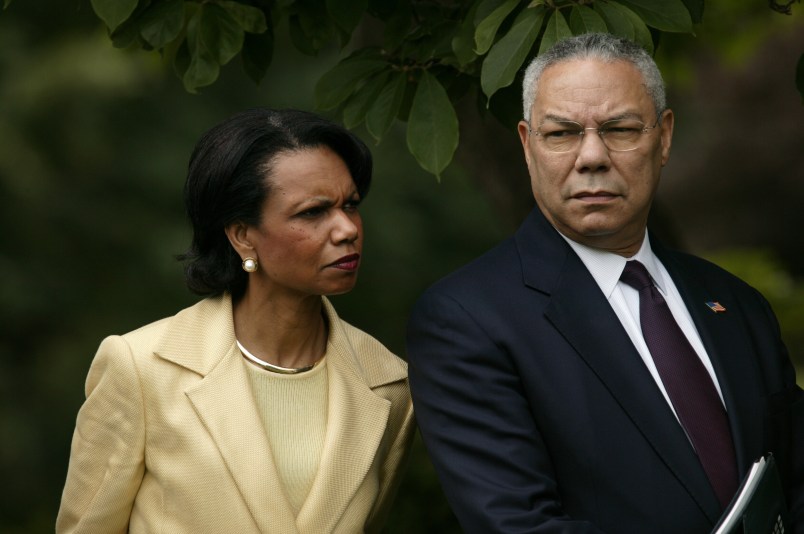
{"type": "Point", "coordinates": [620, 116]}
{"type": "Point", "coordinates": [625, 115]}
{"type": "Point", "coordinates": [556, 118]}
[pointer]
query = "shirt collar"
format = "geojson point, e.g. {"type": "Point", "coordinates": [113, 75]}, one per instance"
{"type": "Point", "coordinates": [606, 267]}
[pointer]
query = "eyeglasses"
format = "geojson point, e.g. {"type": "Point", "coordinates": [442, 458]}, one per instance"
{"type": "Point", "coordinates": [619, 135]}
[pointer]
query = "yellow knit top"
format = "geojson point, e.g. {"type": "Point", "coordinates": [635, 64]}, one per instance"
{"type": "Point", "coordinates": [293, 409]}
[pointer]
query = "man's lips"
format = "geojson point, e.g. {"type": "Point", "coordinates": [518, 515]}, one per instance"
{"type": "Point", "coordinates": [595, 196]}
{"type": "Point", "coordinates": [347, 263]}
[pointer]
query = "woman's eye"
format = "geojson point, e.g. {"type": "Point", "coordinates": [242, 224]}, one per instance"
{"type": "Point", "coordinates": [312, 212]}
{"type": "Point", "coordinates": [351, 205]}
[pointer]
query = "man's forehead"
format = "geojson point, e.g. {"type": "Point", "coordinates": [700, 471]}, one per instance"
{"type": "Point", "coordinates": [589, 74]}
{"type": "Point", "coordinates": [590, 86]}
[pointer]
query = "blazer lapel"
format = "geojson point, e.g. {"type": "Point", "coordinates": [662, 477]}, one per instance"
{"type": "Point", "coordinates": [730, 351]}
{"type": "Point", "coordinates": [224, 403]}
{"type": "Point", "coordinates": [351, 442]}
{"type": "Point", "coordinates": [580, 311]}
{"type": "Point", "coordinates": [225, 406]}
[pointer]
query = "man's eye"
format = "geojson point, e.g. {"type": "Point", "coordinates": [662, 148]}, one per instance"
{"type": "Point", "coordinates": [619, 130]}
{"type": "Point", "coordinates": [558, 134]}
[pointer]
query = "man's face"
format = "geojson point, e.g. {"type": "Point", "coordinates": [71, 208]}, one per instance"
{"type": "Point", "coordinates": [593, 195]}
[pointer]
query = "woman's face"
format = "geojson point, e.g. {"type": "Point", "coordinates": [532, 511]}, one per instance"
{"type": "Point", "coordinates": [310, 236]}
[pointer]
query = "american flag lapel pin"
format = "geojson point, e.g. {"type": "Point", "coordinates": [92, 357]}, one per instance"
{"type": "Point", "coordinates": [715, 306]}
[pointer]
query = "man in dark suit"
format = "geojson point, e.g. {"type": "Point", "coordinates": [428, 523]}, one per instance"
{"type": "Point", "coordinates": [580, 377]}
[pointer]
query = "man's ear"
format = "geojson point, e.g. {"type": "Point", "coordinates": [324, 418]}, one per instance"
{"type": "Point", "coordinates": [524, 136]}
{"type": "Point", "coordinates": [237, 233]}
{"type": "Point", "coordinates": [668, 121]}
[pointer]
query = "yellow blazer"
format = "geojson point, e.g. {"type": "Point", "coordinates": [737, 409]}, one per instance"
{"type": "Point", "coordinates": [169, 439]}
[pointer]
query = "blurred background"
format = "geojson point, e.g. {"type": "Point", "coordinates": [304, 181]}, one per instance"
{"type": "Point", "coordinates": [94, 144]}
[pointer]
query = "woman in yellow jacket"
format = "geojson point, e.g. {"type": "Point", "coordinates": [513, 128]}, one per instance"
{"type": "Point", "coordinates": [257, 409]}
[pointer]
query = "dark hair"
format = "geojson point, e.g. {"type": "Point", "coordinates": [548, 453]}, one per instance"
{"type": "Point", "coordinates": [227, 182]}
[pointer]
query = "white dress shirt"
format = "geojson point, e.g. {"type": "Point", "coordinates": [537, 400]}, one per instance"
{"type": "Point", "coordinates": [606, 268]}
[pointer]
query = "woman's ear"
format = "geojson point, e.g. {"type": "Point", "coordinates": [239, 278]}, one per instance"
{"type": "Point", "coordinates": [237, 233]}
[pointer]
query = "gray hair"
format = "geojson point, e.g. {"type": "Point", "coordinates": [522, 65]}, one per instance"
{"type": "Point", "coordinates": [602, 46]}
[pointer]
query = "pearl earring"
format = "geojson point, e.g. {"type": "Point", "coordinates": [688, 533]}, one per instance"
{"type": "Point", "coordinates": [249, 265]}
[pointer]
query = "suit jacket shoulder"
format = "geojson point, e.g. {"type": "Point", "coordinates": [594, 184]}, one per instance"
{"type": "Point", "coordinates": [375, 362]}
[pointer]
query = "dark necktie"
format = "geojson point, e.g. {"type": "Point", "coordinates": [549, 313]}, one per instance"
{"type": "Point", "coordinates": [688, 384]}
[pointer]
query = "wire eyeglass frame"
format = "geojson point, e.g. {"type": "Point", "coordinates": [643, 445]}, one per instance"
{"type": "Point", "coordinates": [572, 134]}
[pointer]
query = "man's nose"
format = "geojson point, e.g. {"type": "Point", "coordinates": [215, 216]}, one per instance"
{"type": "Point", "coordinates": [593, 155]}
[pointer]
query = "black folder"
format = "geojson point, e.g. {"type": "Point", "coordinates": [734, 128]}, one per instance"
{"type": "Point", "coordinates": [759, 505]}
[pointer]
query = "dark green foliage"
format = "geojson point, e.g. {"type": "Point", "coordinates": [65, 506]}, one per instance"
{"type": "Point", "coordinates": [420, 49]}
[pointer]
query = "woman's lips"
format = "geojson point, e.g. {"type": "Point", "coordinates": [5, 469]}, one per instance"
{"type": "Point", "coordinates": [347, 263]}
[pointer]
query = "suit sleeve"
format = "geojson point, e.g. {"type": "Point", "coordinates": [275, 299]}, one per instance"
{"type": "Point", "coordinates": [107, 452]}
{"type": "Point", "coordinates": [796, 411]}
{"type": "Point", "coordinates": [477, 425]}
{"type": "Point", "coordinates": [787, 418]}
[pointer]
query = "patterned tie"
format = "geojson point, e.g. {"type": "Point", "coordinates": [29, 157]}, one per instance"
{"type": "Point", "coordinates": [688, 384]}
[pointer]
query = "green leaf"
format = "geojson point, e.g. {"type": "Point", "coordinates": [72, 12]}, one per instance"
{"type": "Point", "coordinates": [347, 13]}
{"type": "Point", "coordinates": [506, 56]}
{"type": "Point", "coordinates": [584, 20]}
{"type": "Point", "coordinates": [257, 53]}
{"type": "Point", "coordinates": [555, 30]}
{"type": "Point", "coordinates": [6, 3]}
{"type": "Point", "coordinates": [250, 18]}
{"type": "Point", "coordinates": [162, 22]}
{"type": "Point", "coordinates": [386, 106]}
{"type": "Point", "coordinates": [488, 17]}
{"type": "Point", "coordinates": [800, 77]}
{"type": "Point", "coordinates": [397, 21]}
{"type": "Point", "coordinates": [113, 12]}
{"type": "Point", "coordinates": [309, 31]}
{"type": "Point", "coordinates": [432, 133]}
{"type": "Point", "coordinates": [642, 34]}
{"type": "Point", "coordinates": [664, 15]}
{"type": "Point", "coordinates": [616, 22]}
{"type": "Point", "coordinates": [220, 34]}
{"type": "Point", "coordinates": [202, 69]}
{"type": "Point", "coordinates": [338, 83]}
{"type": "Point", "coordinates": [181, 60]}
{"type": "Point", "coordinates": [463, 43]}
{"type": "Point", "coordinates": [696, 9]}
{"type": "Point", "coordinates": [128, 33]}
{"type": "Point", "coordinates": [358, 105]}
{"type": "Point", "coordinates": [213, 38]}
{"type": "Point", "coordinates": [299, 38]}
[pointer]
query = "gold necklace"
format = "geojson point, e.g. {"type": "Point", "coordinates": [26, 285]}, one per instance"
{"type": "Point", "coordinates": [274, 368]}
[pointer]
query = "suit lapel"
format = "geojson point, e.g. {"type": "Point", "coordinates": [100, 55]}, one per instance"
{"type": "Point", "coordinates": [581, 313]}
{"type": "Point", "coordinates": [224, 403]}
{"type": "Point", "coordinates": [729, 349]}
{"type": "Point", "coordinates": [202, 340]}
{"type": "Point", "coordinates": [351, 442]}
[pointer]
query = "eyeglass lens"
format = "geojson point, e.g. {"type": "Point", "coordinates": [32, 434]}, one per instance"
{"type": "Point", "coordinates": [619, 135]}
